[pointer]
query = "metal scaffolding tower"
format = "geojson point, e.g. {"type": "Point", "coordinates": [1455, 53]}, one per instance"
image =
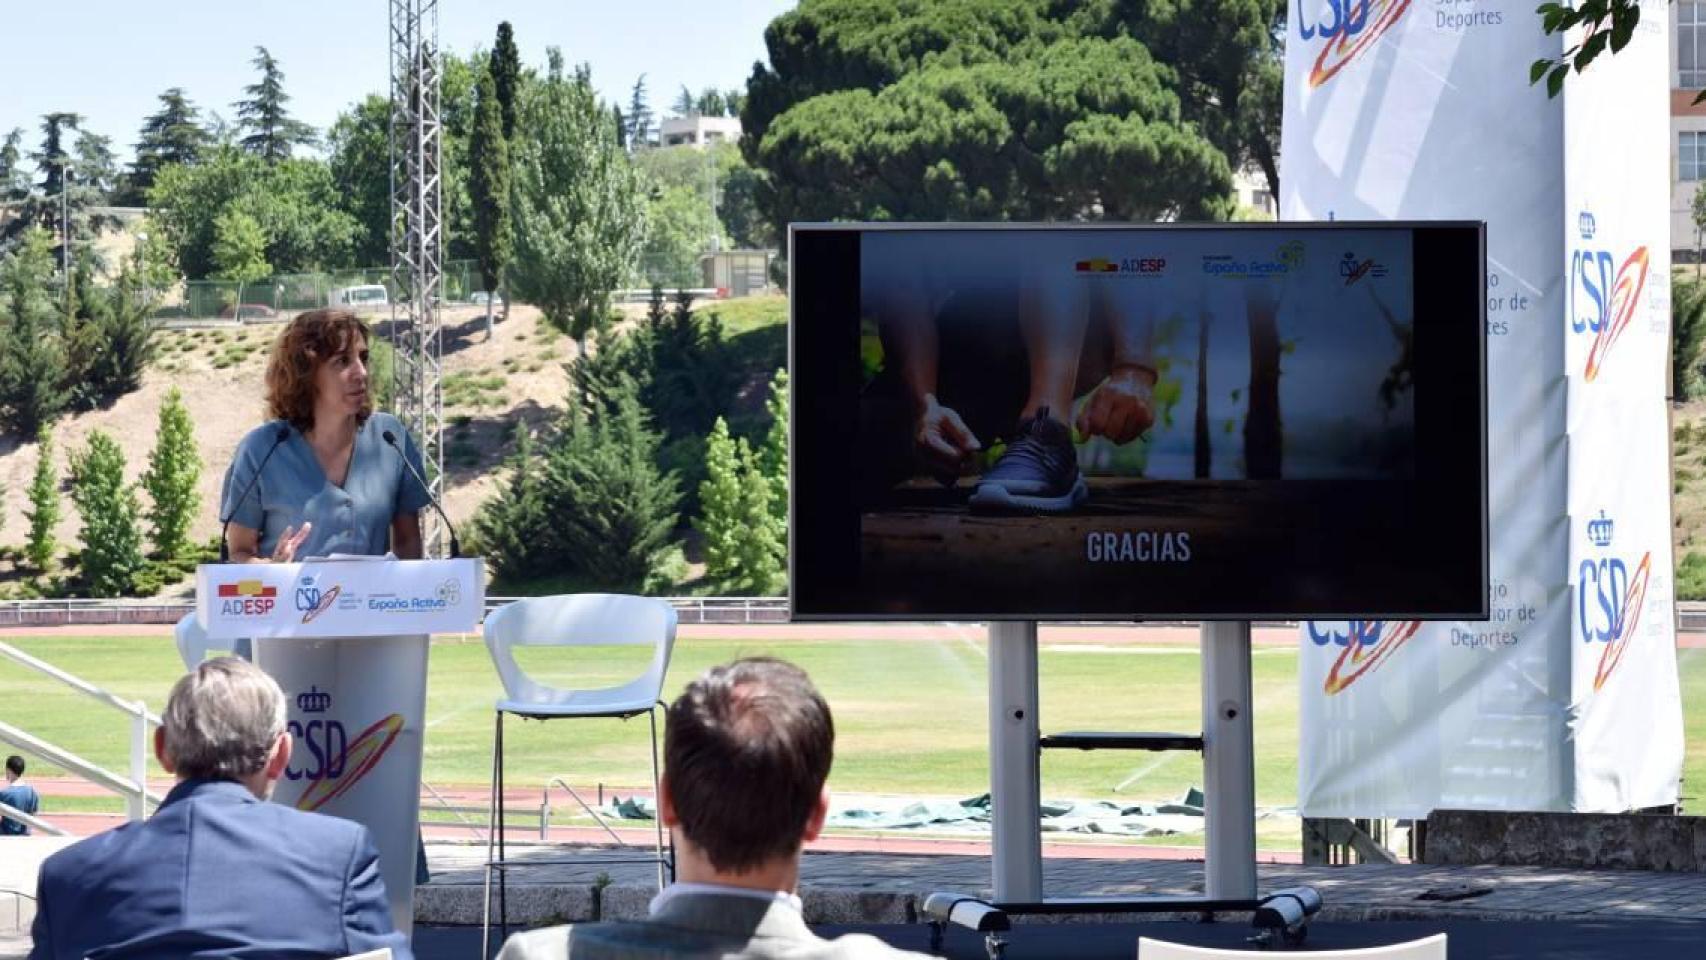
{"type": "Point", "coordinates": [417, 240]}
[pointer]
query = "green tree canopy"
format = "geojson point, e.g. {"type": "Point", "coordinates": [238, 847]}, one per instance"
{"type": "Point", "coordinates": [271, 132]}
{"type": "Point", "coordinates": [295, 202]}
{"type": "Point", "coordinates": [577, 202]}
{"type": "Point", "coordinates": [43, 512]}
{"type": "Point", "coordinates": [995, 109]}
{"type": "Point", "coordinates": [239, 248]}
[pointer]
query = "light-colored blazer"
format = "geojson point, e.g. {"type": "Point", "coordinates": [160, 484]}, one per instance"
{"type": "Point", "coordinates": [700, 925]}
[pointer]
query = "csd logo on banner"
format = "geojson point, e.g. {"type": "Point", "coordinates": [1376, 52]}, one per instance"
{"type": "Point", "coordinates": [1605, 289]}
{"type": "Point", "coordinates": [1367, 644]}
{"type": "Point", "coordinates": [1345, 29]}
{"type": "Point", "coordinates": [1609, 597]}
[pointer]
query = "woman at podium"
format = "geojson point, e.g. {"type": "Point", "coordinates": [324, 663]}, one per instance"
{"type": "Point", "coordinates": [326, 474]}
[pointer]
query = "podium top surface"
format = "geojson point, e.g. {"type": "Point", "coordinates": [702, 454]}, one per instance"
{"type": "Point", "coordinates": [361, 597]}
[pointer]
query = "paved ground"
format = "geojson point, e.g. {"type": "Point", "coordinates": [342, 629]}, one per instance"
{"type": "Point", "coordinates": [1465, 939]}
{"type": "Point", "coordinates": [887, 888]}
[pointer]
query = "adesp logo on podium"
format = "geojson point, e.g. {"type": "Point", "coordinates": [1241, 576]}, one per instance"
{"type": "Point", "coordinates": [1615, 596]}
{"type": "Point", "coordinates": [327, 757]}
{"type": "Point", "coordinates": [246, 598]}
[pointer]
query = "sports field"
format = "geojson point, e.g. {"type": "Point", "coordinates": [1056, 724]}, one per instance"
{"type": "Point", "coordinates": [910, 714]}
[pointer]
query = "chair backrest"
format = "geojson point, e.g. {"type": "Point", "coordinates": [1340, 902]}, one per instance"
{"type": "Point", "coordinates": [192, 641]}
{"type": "Point", "coordinates": [383, 953]}
{"type": "Point", "coordinates": [1427, 948]}
{"type": "Point", "coordinates": [582, 620]}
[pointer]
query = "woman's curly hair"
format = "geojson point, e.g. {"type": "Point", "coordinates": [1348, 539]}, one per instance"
{"type": "Point", "coordinates": [307, 342]}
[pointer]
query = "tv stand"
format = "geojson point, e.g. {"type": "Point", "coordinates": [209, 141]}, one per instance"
{"type": "Point", "coordinates": [1229, 790]}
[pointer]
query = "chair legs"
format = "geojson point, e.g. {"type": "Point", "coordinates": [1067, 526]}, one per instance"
{"type": "Point", "coordinates": [495, 836]}
{"type": "Point", "coordinates": [657, 804]}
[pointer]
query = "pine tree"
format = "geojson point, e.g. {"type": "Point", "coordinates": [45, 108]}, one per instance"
{"type": "Point", "coordinates": [14, 183]}
{"type": "Point", "coordinates": [719, 522]}
{"type": "Point", "coordinates": [506, 74]}
{"type": "Point", "coordinates": [488, 184]}
{"type": "Point", "coordinates": [174, 467]}
{"type": "Point", "coordinates": [741, 541]}
{"type": "Point", "coordinates": [611, 508]}
{"type": "Point", "coordinates": [773, 456]}
{"type": "Point", "coordinates": [44, 505]}
{"type": "Point", "coordinates": [112, 543]}
{"type": "Point", "coordinates": [172, 135]}
{"type": "Point", "coordinates": [639, 117]}
{"type": "Point", "coordinates": [272, 131]}
{"type": "Point", "coordinates": [32, 358]}
{"type": "Point", "coordinates": [685, 104]}
{"type": "Point", "coordinates": [513, 528]}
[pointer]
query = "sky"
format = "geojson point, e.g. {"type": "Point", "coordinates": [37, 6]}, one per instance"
{"type": "Point", "coordinates": [110, 59]}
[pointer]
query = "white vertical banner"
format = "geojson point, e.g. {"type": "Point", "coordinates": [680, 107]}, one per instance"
{"type": "Point", "coordinates": [1625, 707]}
{"type": "Point", "coordinates": [1405, 110]}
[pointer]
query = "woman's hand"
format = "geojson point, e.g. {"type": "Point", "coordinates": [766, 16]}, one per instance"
{"type": "Point", "coordinates": [289, 542]}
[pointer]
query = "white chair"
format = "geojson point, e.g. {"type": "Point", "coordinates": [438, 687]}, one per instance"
{"type": "Point", "coordinates": [578, 620]}
{"type": "Point", "coordinates": [1427, 948]}
{"type": "Point", "coordinates": [193, 644]}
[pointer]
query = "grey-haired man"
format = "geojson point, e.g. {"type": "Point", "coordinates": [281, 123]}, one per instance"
{"type": "Point", "coordinates": [218, 871]}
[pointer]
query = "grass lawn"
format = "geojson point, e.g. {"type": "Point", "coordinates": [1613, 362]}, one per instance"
{"type": "Point", "coordinates": [910, 716]}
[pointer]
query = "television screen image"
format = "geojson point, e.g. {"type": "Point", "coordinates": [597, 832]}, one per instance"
{"type": "Point", "coordinates": [1077, 422]}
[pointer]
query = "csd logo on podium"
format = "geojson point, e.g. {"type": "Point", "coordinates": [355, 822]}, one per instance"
{"type": "Point", "coordinates": [324, 742]}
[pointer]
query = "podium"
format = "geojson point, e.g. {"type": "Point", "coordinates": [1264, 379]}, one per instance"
{"type": "Point", "coordinates": [347, 640]}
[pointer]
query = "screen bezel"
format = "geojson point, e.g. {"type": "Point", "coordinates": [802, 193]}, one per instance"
{"type": "Point", "coordinates": [1451, 254]}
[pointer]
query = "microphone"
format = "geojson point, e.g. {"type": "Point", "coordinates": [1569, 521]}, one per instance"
{"type": "Point", "coordinates": [282, 435]}
{"type": "Point", "coordinates": [455, 547]}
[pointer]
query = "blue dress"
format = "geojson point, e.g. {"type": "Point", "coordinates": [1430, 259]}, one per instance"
{"type": "Point", "coordinates": [354, 518]}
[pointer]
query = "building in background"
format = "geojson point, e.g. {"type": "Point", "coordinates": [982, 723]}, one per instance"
{"type": "Point", "coordinates": [697, 130]}
{"type": "Point", "coordinates": [1687, 123]}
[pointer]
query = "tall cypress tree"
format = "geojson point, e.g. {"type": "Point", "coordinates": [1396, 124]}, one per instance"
{"type": "Point", "coordinates": [489, 185]}
{"type": "Point", "coordinates": [506, 74]}
{"type": "Point", "coordinates": [112, 544]}
{"type": "Point", "coordinates": [44, 505]}
{"type": "Point", "coordinates": [639, 117]}
{"type": "Point", "coordinates": [272, 131]}
{"type": "Point", "coordinates": [174, 468]}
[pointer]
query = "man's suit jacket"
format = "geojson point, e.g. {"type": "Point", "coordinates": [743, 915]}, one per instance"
{"type": "Point", "coordinates": [700, 925]}
{"type": "Point", "coordinates": [216, 873]}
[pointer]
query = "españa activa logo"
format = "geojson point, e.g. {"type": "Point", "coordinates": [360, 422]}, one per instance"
{"type": "Point", "coordinates": [1367, 644]}
{"type": "Point", "coordinates": [1346, 31]}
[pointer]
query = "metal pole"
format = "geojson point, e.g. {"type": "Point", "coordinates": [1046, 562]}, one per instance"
{"type": "Point", "coordinates": [1229, 762]}
{"type": "Point", "coordinates": [1015, 791]}
{"type": "Point", "coordinates": [139, 762]}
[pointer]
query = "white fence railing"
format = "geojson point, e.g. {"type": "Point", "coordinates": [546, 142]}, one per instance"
{"type": "Point", "coordinates": [135, 788]}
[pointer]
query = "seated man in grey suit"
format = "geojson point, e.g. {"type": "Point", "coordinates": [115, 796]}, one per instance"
{"type": "Point", "coordinates": [218, 871]}
{"type": "Point", "coordinates": [747, 749]}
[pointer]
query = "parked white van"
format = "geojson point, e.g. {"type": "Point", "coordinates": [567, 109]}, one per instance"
{"type": "Point", "coordinates": [362, 297]}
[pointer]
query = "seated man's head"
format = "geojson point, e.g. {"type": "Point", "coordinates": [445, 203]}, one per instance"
{"type": "Point", "coordinates": [746, 752]}
{"type": "Point", "coordinates": [14, 767]}
{"type": "Point", "coordinates": [225, 720]}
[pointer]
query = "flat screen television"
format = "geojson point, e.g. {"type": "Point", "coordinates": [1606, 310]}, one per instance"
{"type": "Point", "coordinates": [1078, 422]}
